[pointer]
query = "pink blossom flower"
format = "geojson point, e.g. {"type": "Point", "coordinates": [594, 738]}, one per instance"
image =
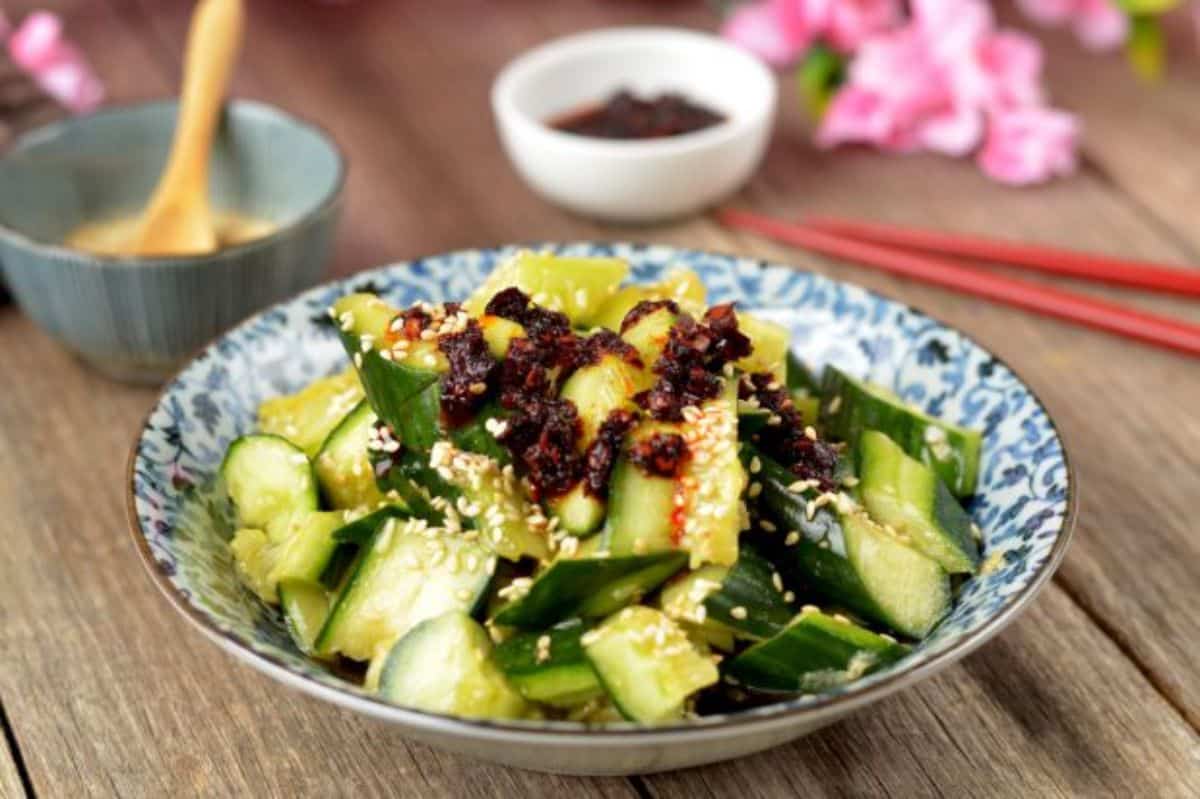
{"type": "Point", "coordinates": [1029, 145]}
{"type": "Point", "coordinates": [771, 29]}
{"type": "Point", "coordinates": [779, 31]}
{"type": "Point", "coordinates": [848, 23]}
{"type": "Point", "coordinates": [57, 66]}
{"type": "Point", "coordinates": [1099, 24]}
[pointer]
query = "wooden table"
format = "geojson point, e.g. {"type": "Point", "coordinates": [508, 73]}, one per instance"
{"type": "Point", "coordinates": [1093, 692]}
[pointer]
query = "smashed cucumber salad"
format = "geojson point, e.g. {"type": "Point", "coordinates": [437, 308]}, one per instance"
{"type": "Point", "coordinates": [570, 498]}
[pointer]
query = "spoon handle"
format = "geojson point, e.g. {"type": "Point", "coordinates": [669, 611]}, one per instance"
{"type": "Point", "coordinates": [213, 43]}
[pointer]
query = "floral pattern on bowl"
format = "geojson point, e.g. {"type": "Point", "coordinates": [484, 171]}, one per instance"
{"type": "Point", "coordinates": [1024, 505]}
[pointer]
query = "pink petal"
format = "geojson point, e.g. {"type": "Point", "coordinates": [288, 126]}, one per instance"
{"type": "Point", "coordinates": [1029, 145]}
{"type": "Point", "coordinates": [5, 27]}
{"type": "Point", "coordinates": [33, 44]}
{"type": "Point", "coordinates": [767, 29]}
{"type": "Point", "coordinates": [1100, 24]}
{"type": "Point", "coordinates": [1049, 13]}
{"type": "Point", "coordinates": [1011, 66]}
{"type": "Point", "coordinates": [955, 132]}
{"type": "Point", "coordinates": [855, 115]}
{"type": "Point", "coordinates": [852, 22]}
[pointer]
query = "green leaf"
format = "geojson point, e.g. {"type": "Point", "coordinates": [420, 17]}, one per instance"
{"type": "Point", "coordinates": [1146, 48]}
{"type": "Point", "coordinates": [819, 75]}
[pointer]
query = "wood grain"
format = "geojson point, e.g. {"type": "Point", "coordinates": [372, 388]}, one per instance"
{"type": "Point", "coordinates": [1092, 693]}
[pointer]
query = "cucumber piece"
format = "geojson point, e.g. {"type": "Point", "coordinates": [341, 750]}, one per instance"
{"type": "Point", "coordinates": [359, 531]}
{"type": "Point", "coordinates": [681, 285]}
{"type": "Point", "coordinates": [509, 523]}
{"type": "Point", "coordinates": [308, 416]}
{"type": "Point", "coordinates": [712, 482]}
{"type": "Point", "coordinates": [852, 406]}
{"type": "Point", "coordinates": [305, 607]}
{"type": "Point", "coordinates": [444, 665]}
{"type": "Point", "coordinates": [587, 588]}
{"type": "Point", "coordinates": [642, 514]}
{"type": "Point", "coordinates": [343, 465]}
{"type": "Point", "coordinates": [499, 332]}
{"type": "Point", "coordinates": [647, 664]}
{"type": "Point", "coordinates": [769, 346]}
{"type": "Point", "coordinates": [596, 390]}
{"type": "Point", "coordinates": [682, 599]}
{"type": "Point", "coordinates": [266, 476]}
{"type": "Point", "coordinates": [814, 653]}
{"type": "Point", "coordinates": [800, 379]}
{"type": "Point", "coordinates": [578, 512]}
{"type": "Point", "coordinates": [907, 495]}
{"type": "Point", "coordinates": [648, 336]}
{"type": "Point", "coordinates": [699, 512]}
{"type": "Point", "coordinates": [364, 321]}
{"type": "Point", "coordinates": [408, 573]}
{"type": "Point", "coordinates": [576, 286]}
{"type": "Point", "coordinates": [550, 666]}
{"type": "Point", "coordinates": [750, 600]}
{"type": "Point", "coordinates": [296, 545]}
{"type": "Point", "coordinates": [421, 426]}
{"type": "Point", "coordinates": [848, 558]}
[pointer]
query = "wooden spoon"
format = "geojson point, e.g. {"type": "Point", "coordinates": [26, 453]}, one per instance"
{"type": "Point", "coordinates": [178, 219]}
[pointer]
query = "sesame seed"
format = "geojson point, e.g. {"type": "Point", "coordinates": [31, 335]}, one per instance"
{"type": "Point", "coordinates": [810, 609]}
{"type": "Point", "coordinates": [777, 581]}
{"type": "Point", "coordinates": [738, 612]}
{"type": "Point", "coordinates": [755, 490]}
{"type": "Point", "coordinates": [755, 465]}
{"type": "Point", "coordinates": [835, 404]}
{"type": "Point", "coordinates": [792, 539]}
{"type": "Point", "coordinates": [810, 433]}
{"type": "Point", "coordinates": [478, 387]}
{"type": "Point", "coordinates": [767, 525]}
{"type": "Point", "coordinates": [789, 596]}
{"type": "Point", "coordinates": [358, 360]}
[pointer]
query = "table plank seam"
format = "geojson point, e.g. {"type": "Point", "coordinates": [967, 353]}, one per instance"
{"type": "Point", "coordinates": [14, 751]}
{"type": "Point", "coordinates": [1113, 633]}
{"type": "Point", "coordinates": [1161, 226]}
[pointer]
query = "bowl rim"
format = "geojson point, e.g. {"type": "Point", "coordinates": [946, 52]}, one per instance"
{"type": "Point", "coordinates": [547, 54]}
{"type": "Point", "coordinates": [259, 108]}
{"type": "Point", "coordinates": [760, 719]}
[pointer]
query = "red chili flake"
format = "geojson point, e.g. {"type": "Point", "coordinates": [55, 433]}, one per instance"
{"type": "Point", "coordinates": [729, 344]}
{"type": "Point", "coordinates": [660, 455]}
{"type": "Point", "coordinates": [542, 436]}
{"type": "Point", "coordinates": [644, 309]}
{"type": "Point", "coordinates": [602, 454]}
{"type": "Point", "coordinates": [605, 342]}
{"type": "Point", "coordinates": [787, 442]}
{"type": "Point", "coordinates": [691, 362]}
{"type": "Point", "coordinates": [414, 320]}
{"type": "Point", "coordinates": [627, 116]}
{"type": "Point", "coordinates": [471, 366]}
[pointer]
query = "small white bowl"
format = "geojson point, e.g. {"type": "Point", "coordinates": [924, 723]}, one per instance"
{"type": "Point", "coordinates": [640, 180]}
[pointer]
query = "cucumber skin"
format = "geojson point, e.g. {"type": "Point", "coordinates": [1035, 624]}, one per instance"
{"type": "Point", "coordinates": [827, 569]}
{"type": "Point", "coordinates": [388, 385]}
{"type": "Point", "coordinates": [583, 588]}
{"type": "Point", "coordinates": [517, 658]}
{"type": "Point", "coordinates": [859, 410]}
{"type": "Point", "coordinates": [309, 500]}
{"type": "Point", "coordinates": [808, 655]}
{"type": "Point", "coordinates": [882, 459]}
{"type": "Point", "coordinates": [499, 701]}
{"type": "Point", "coordinates": [749, 585]}
{"type": "Point", "coordinates": [800, 377]}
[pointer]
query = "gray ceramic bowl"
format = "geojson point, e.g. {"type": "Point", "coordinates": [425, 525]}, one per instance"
{"type": "Point", "coordinates": [138, 318]}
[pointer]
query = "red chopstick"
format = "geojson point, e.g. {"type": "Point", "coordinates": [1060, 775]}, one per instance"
{"type": "Point", "coordinates": [1054, 260]}
{"type": "Point", "coordinates": [1152, 329]}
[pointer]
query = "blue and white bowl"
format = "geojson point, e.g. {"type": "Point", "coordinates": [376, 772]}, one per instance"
{"type": "Point", "coordinates": [1025, 502]}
